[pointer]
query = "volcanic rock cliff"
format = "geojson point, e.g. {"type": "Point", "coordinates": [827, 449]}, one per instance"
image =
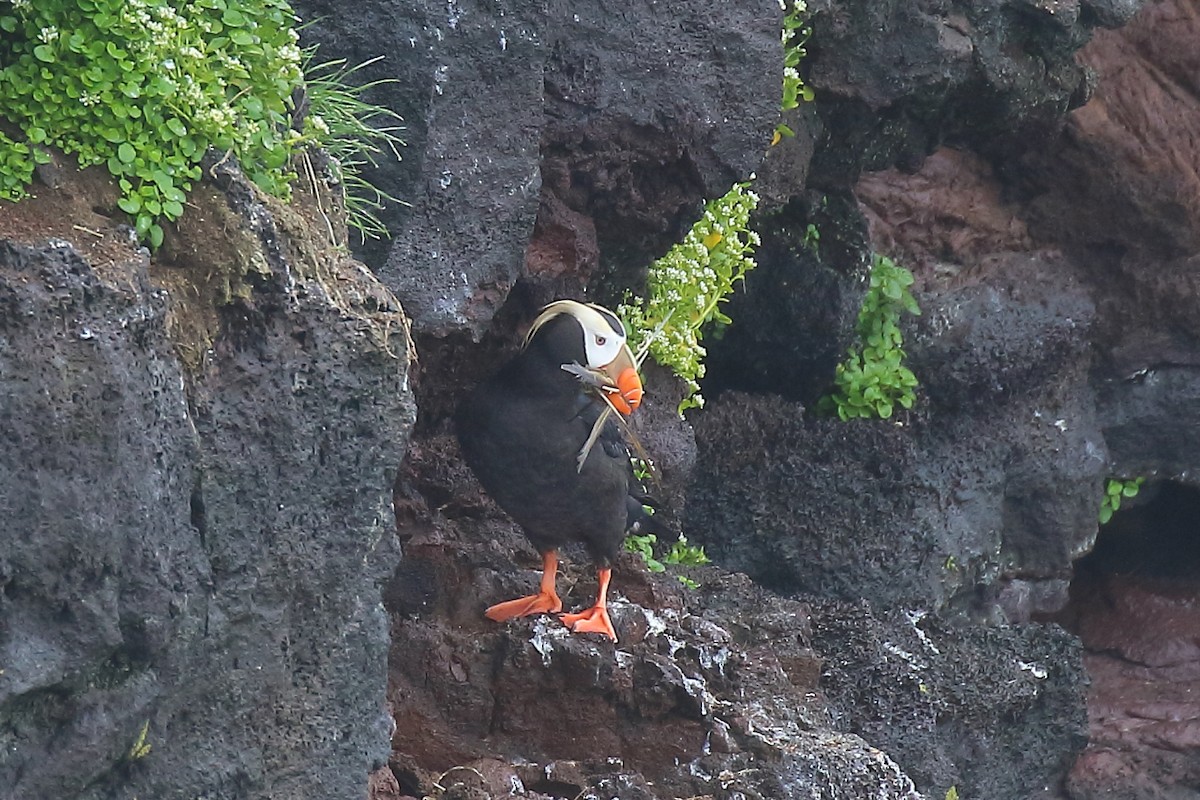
{"type": "Point", "coordinates": [209, 455]}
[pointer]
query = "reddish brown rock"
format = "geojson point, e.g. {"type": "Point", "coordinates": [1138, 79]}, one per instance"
{"type": "Point", "coordinates": [1144, 702]}
{"type": "Point", "coordinates": [947, 217]}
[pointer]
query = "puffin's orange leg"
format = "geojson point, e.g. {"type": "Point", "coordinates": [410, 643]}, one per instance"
{"type": "Point", "coordinates": [594, 619]}
{"type": "Point", "coordinates": [544, 602]}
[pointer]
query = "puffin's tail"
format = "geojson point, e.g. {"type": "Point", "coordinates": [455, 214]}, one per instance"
{"type": "Point", "coordinates": [640, 518]}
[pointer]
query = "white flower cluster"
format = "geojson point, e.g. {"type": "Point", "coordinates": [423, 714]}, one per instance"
{"type": "Point", "coordinates": [162, 23]}
{"type": "Point", "coordinates": [685, 287]}
{"type": "Point", "coordinates": [290, 53]}
{"type": "Point", "coordinates": [178, 42]}
{"type": "Point", "coordinates": [144, 71]}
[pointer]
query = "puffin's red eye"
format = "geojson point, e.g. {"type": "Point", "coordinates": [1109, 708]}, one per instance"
{"type": "Point", "coordinates": [600, 340]}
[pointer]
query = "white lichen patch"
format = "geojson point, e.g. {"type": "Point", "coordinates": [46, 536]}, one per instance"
{"type": "Point", "coordinates": [915, 663]}
{"type": "Point", "coordinates": [547, 633]}
{"type": "Point", "coordinates": [915, 617]}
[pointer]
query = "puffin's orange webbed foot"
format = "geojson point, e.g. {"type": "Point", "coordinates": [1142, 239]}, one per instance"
{"type": "Point", "coordinates": [593, 620]}
{"type": "Point", "coordinates": [544, 602]}
{"type": "Point", "coordinates": [540, 603]}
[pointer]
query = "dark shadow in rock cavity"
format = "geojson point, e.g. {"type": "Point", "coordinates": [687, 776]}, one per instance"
{"type": "Point", "coordinates": [1135, 603]}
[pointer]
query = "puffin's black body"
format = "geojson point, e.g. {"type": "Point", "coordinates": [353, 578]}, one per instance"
{"type": "Point", "coordinates": [521, 432]}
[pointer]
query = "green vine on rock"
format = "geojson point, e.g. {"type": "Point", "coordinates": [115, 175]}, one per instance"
{"type": "Point", "coordinates": [685, 287]}
{"type": "Point", "coordinates": [873, 380]}
{"type": "Point", "coordinates": [795, 36]}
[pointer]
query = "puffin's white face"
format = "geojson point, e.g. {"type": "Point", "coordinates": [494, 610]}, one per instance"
{"type": "Point", "coordinates": [603, 335]}
{"type": "Point", "coordinates": [604, 348]}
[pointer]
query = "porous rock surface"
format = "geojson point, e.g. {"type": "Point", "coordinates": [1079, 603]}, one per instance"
{"type": "Point", "coordinates": [835, 505]}
{"type": "Point", "coordinates": [592, 131]}
{"type": "Point", "coordinates": [194, 500]}
{"type": "Point", "coordinates": [709, 692]}
{"type": "Point", "coordinates": [938, 516]}
{"type": "Point", "coordinates": [555, 150]}
{"type": "Point", "coordinates": [1056, 270]}
{"type": "Point", "coordinates": [724, 690]}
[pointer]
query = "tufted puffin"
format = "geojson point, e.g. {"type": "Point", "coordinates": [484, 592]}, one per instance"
{"type": "Point", "coordinates": [523, 429]}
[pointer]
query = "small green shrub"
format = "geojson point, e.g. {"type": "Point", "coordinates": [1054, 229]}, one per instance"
{"type": "Point", "coordinates": [685, 287]}
{"type": "Point", "coordinates": [145, 87]}
{"type": "Point", "coordinates": [680, 553]}
{"type": "Point", "coordinates": [873, 380]}
{"type": "Point", "coordinates": [1114, 490]}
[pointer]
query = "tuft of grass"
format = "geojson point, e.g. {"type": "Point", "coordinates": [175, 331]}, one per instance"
{"type": "Point", "coordinates": [355, 134]}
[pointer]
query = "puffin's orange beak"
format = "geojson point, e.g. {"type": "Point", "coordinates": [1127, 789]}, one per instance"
{"type": "Point", "coordinates": [627, 394]}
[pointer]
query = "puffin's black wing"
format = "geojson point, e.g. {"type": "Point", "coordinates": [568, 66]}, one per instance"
{"type": "Point", "coordinates": [588, 409]}
{"type": "Point", "coordinates": [523, 449]}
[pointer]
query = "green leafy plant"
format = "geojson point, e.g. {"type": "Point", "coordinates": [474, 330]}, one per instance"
{"type": "Point", "coordinates": [1114, 490]}
{"type": "Point", "coordinates": [680, 553]}
{"type": "Point", "coordinates": [795, 36]}
{"type": "Point", "coordinates": [812, 239]}
{"type": "Point", "coordinates": [685, 287]}
{"type": "Point", "coordinates": [643, 545]}
{"type": "Point", "coordinates": [354, 133]}
{"type": "Point", "coordinates": [146, 87]}
{"type": "Point", "coordinates": [643, 469]}
{"type": "Point", "coordinates": [17, 160]}
{"type": "Point", "coordinates": [873, 380]}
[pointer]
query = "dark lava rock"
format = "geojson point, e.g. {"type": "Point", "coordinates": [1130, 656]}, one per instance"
{"type": "Point", "coordinates": [721, 691]}
{"type": "Point", "coordinates": [194, 495]}
{"type": "Point", "coordinates": [991, 711]}
{"type": "Point", "coordinates": [895, 79]}
{"type": "Point", "coordinates": [1137, 232]}
{"type": "Point", "coordinates": [811, 504]}
{"type": "Point", "coordinates": [599, 125]}
{"type": "Point", "coordinates": [1135, 604]}
{"type": "Point", "coordinates": [708, 692]}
